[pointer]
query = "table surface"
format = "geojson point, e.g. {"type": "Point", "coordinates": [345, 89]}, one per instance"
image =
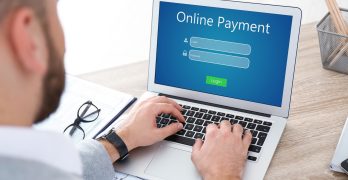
{"type": "Point", "coordinates": [318, 111]}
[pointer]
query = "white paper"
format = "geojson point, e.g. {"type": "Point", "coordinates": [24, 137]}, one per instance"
{"type": "Point", "coordinates": [76, 93]}
{"type": "Point", "coordinates": [341, 152]}
{"type": "Point", "coordinates": [122, 176]}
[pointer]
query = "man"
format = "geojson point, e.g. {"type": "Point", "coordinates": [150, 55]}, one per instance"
{"type": "Point", "coordinates": [32, 80]}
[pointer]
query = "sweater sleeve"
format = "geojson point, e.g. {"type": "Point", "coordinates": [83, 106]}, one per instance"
{"type": "Point", "coordinates": [96, 162]}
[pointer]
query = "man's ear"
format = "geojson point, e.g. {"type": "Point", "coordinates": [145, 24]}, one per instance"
{"type": "Point", "coordinates": [28, 41]}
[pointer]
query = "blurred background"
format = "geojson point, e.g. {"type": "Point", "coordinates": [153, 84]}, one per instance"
{"type": "Point", "coordinates": [103, 34]}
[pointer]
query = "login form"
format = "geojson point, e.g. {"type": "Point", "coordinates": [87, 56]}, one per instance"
{"type": "Point", "coordinates": [226, 52]}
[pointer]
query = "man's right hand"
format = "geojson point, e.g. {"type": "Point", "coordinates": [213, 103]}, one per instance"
{"type": "Point", "coordinates": [223, 154]}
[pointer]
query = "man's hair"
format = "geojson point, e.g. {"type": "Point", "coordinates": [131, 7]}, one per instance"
{"type": "Point", "coordinates": [38, 6]}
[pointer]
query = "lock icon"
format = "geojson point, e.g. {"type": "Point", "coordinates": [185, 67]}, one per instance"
{"type": "Point", "coordinates": [184, 53]}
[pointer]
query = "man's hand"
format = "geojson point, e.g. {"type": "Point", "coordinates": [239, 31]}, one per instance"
{"type": "Point", "coordinates": [224, 152]}
{"type": "Point", "coordinates": [141, 129]}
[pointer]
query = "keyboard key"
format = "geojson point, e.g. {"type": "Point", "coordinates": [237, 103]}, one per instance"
{"type": "Point", "coordinates": [254, 148]}
{"type": "Point", "coordinates": [252, 158]}
{"type": "Point", "coordinates": [198, 128]}
{"type": "Point", "coordinates": [165, 115]}
{"type": "Point", "coordinates": [204, 130]}
{"type": "Point", "coordinates": [190, 113]}
{"type": "Point", "coordinates": [254, 133]}
{"type": "Point", "coordinates": [172, 118]}
{"type": "Point", "coordinates": [199, 115]}
{"type": "Point", "coordinates": [216, 118]}
{"type": "Point", "coordinates": [207, 116]}
{"type": "Point", "coordinates": [230, 116]}
{"type": "Point", "coordinates": [183, 111]}
{"type": "Point", "coordinates": [181, 132]}
{"type": "Point", "coordinates": [203, 110]}
{"type": "Point", "coordinates": [261, 141]}
{"type": "Point", "coordinates": [239, 118]}
{"type": "Point", "coordinates": [251, 126]}
{"type": "Point", "coordinates": [199, 136]}
{"type": "Point", "coordinates": [267, 123]}
{"type": "Point", "coordinates": [231, 121]}
{"type": "Point", "coordinates": [194, 109]}
{"type": "Point", "coordinates": [248, 119]}
{"type": "Point", "coordinates": [164, 121]}
{"type": "Point", "coordinates": [257, 121]}
{"type": "Point", "coordinates": [224, 119]}
{"type": "Point", "coordinates": [185, 117]}
{"type": "Point", "coordinates": [190, 134]}
{"type": "Point", "coordinates": [159, 125]}
{"type": "Point", "coordinates": [253, 141]}
{"type": "Point", "coordinates": [199, 121]}
{"type": "Point", "coordinates": [189, 126]}
{"type": "Point", "coordinates": [190, 120]}
{"type": "Point", "coordinates": [186, 107]}
{"type": "Point", "coordinates": [243, 123]}
{"type": "Point", "coordinates": [212, 112]}
{"type": "Point", "coordinates": [206, 123]}
{"type": "Point", "coordinates": [235, 121]}
{"type": "Point", "coordinates": [221, 114]}
{"type": "Point", "coordinates": [181, 140]}
{"type": "Point", "coordinates": [158, 119]}
{"type": "Point", "coordinates": [262, 135]}
{"type": "Point", "coordinates": [263, 128]}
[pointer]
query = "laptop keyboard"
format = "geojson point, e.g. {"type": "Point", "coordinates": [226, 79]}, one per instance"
{"type": "Point", "coordinates": [197, 120]}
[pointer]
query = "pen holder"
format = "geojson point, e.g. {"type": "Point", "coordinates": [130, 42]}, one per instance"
{"type": "Point", "coordinates": [333, 46]}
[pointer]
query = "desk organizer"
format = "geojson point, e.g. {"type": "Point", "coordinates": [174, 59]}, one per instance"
{"type": "Point", "coordinates": [333, 46]}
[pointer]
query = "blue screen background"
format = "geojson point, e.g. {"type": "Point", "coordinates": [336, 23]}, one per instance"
{"type": "Point", "coordinates": [262, 82]}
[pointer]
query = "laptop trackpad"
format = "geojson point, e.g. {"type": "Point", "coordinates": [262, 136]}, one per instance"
{"type": "Point", "coordinates": [172, 164]}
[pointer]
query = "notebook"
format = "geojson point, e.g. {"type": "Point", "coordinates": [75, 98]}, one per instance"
{"type": "Point", "coordinates": [77, 91]}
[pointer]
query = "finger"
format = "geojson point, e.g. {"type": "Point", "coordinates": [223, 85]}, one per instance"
{"type": "Point", "coordinates": [225, 126]}
{"type": "Point", "coordinates": [247, 138]}
{"type": "Point", "coordinates": [237, 130]}
{"type": "Point", "coordinates": [169, 130]}
{"type": "Point", "coordinates": [211, 130]}
{"type": "Point", "coordinates": [196, 148]}
{"type": "Point", "coordinates": [168, 109]}
{"type": "Point", "coordinates": [163, 99]}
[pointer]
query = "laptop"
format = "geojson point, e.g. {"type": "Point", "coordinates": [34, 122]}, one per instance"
{"type": "Point", "coordinates": [220, 60]}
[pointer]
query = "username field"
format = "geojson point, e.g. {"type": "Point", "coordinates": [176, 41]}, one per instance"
{"type": "Point", "coordinates": [222, 46]}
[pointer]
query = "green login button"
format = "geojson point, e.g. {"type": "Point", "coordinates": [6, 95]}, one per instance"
{"type": "Point", "coordinates": [216, 81]}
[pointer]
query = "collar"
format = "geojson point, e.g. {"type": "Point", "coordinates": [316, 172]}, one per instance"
{"type": "Point", "coordinates": [50, 148]}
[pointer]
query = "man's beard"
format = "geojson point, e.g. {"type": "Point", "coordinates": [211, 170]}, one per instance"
{"type": "Point", "coordinates": [53, 82]}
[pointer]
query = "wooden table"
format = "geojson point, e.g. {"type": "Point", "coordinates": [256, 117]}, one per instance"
{"type": "Point", "coordinates": [319, 108]}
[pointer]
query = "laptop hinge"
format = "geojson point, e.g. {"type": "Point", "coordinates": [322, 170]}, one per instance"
{"type": "Point", "coordinates": [216, 105]}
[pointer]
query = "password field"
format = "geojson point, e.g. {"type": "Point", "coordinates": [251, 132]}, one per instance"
{"type": "Point", "coordinates": [220, 59]}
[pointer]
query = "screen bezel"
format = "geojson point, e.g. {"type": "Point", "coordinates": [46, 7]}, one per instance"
{"type": "Point", "coordinates": [282, 111]}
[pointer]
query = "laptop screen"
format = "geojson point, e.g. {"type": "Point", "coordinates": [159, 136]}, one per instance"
{"type": "Point", "coordinates": [226, 52]}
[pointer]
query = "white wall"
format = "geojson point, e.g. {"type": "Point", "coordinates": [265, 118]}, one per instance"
{"type": "Point", "coordinates": [102, 34]}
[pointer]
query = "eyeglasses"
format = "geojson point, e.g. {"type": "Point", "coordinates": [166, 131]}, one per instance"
{"type": "Point", "coordinates": [87, 113]}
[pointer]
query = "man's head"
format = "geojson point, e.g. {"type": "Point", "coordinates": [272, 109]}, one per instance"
{"type": "Point", "coordinates": [31, 65]}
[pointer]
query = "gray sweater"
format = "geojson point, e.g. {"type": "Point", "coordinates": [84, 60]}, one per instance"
{"type": "Point", "coordinates": [95, 161]}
